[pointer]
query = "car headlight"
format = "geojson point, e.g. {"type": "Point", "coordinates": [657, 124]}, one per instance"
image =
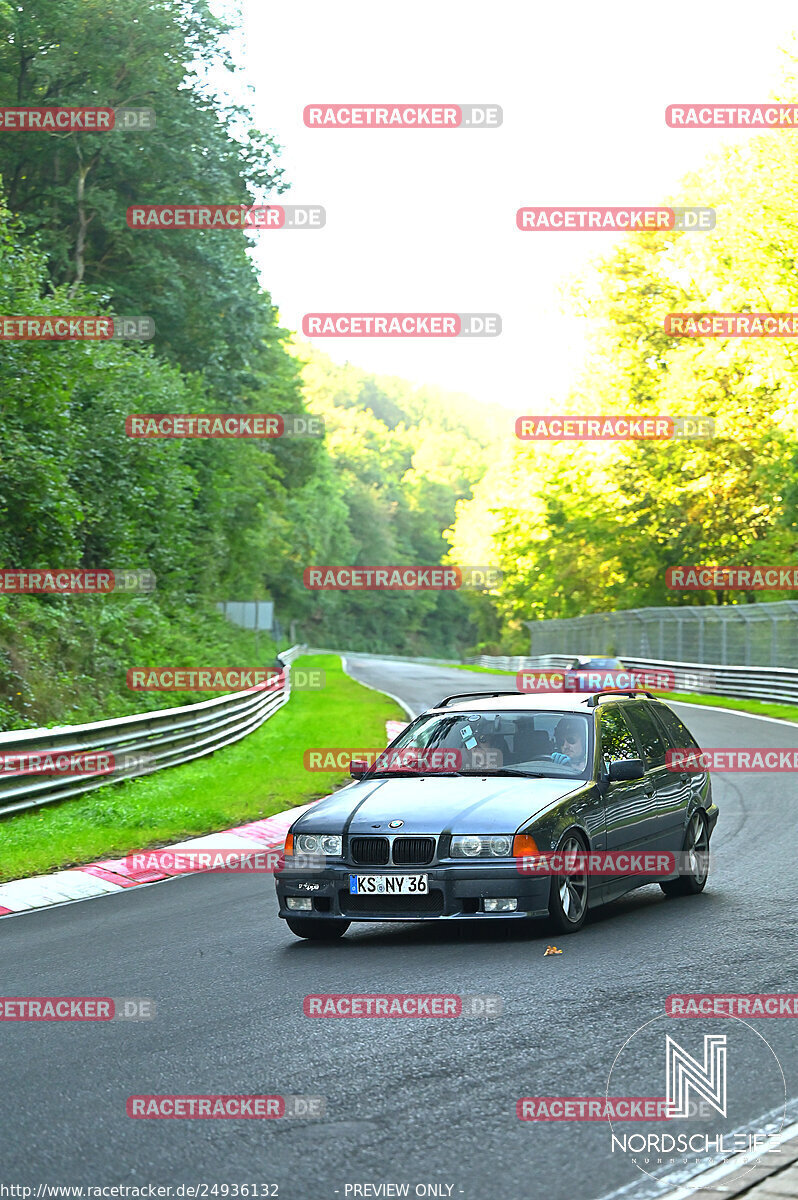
{"type": "Point", "coordinates": [473, 845]}
{"type": "Point", "coordinates": [318, 843]}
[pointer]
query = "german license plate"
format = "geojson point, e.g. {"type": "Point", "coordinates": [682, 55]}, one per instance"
{"type": "Point", "coordinates": [388, 885]}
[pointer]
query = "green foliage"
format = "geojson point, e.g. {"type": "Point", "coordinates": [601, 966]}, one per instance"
{"type": "Point", "coordinates": [64, 659]}
{"type": "Point", "coordinates": [593, 527]}
{"type": "Point", "coordinates": [401, 458]}
{"type": "Point", "coordinates": [213, 519]}
{"type": "Point", "coordinates": [200, 287]}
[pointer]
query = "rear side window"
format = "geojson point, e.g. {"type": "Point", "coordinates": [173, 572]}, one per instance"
{"type": "Point", "coordinates": [617, 742]}
{"type": "Point", "coordinates": [677, 733]}
{"type": "Point", "coordinates": [644, 725]}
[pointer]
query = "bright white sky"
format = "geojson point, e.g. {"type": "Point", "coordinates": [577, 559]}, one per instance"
{"type": "Point", "coordinates": [425, 220]}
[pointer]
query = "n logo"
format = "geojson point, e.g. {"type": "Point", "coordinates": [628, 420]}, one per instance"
{"type": "Point", "coordinates": [683, 1072]}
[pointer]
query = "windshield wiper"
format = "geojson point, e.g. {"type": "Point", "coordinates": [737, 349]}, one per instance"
{"type": "Point", "coordinates": [410, 774]}
{"type": "Point", "coordinates": [509, 771]}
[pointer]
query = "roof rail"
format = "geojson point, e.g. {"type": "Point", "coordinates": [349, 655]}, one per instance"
{"type": "Point", "coordinates": [471, 695]}
{"type": "Point", "coordinates": [594, 697]}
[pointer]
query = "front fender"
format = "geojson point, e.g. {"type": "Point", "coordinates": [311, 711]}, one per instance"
{"type": "Point", "coordinates": [581, 811]}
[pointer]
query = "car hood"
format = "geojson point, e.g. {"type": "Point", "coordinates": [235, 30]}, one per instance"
{"type": "Point", "coordinates": [431, 805]}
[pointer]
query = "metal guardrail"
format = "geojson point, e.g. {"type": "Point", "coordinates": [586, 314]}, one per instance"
{"type": "Point", "coordinates": [141, 743]}
{"type": "Point", "coordinates": [709, 679]}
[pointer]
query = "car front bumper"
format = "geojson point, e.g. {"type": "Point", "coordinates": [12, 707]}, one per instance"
{"type": "Point", "coordinates": [455, 891]}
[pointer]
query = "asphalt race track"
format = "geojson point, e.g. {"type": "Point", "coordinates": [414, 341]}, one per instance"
{"type": "Point", "coordinates": [407, 1101]}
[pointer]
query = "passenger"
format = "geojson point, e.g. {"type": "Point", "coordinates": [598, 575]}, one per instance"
{"type": "Point", "coordinates": [484, 756]}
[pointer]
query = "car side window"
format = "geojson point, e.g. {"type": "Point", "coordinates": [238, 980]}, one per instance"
{"type": "Point", "coordinates": [617, 742]}
{"type": "Point", "coordinates": [651, 743]}
{"type": "Point", "coordinates": [678, 734]}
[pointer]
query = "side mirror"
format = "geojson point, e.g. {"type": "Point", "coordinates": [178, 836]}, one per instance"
{"type": "Point", "coordinates": [628, 768]}
{"type": "Point", "coordinates": [358, 768]}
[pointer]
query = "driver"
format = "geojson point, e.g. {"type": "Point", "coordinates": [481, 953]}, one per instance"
{"type": "Point", "coordinates": [569, 737]}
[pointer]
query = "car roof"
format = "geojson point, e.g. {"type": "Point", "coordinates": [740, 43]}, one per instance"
{"type": "Point", "coordinates": [558, 702]}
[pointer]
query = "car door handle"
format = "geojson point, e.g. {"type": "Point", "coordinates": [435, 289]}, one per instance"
{"type": "Point", "coordinates": [684, 777]}
{"type": "Point", "coordinates": [649, 790]}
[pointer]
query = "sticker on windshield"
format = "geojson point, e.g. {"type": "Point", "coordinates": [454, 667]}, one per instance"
{"type": "Point", "coordinates": [467, 734]}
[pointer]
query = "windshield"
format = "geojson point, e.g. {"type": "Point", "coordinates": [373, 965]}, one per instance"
{"type": "Point", "coordinates": [536, 743]}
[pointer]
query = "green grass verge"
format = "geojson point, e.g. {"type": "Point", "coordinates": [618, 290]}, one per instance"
{"type": "Point", "coordinates": [786, 712]}
{"type": "Point", "coordinates": [260, 775]}
{"type": "Point", "coordinates": [483, 670]}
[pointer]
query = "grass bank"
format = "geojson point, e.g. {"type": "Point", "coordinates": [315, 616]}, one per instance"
{"type": "Point", "coordinates": [64, 659]}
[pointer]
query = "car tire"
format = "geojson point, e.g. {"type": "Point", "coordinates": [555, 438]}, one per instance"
{"type": "Point", "coordinates": [316, 930]}
{"type": "Point", "coordinates": [696, 842]}
{"type": "Point", "coordinates": [568, 897]}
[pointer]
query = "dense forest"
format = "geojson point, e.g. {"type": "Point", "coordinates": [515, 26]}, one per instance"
{"type": "Point", "coordinates": [212, 519]}
{"type": "Point", "coordinates": [404, 473]}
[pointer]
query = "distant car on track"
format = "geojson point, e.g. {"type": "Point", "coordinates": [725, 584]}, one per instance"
{"type": "Point", "coordinates": [529, 775]}
{"type": "Point", "coordinates": [588, 663]}
{"type": "Point", "coordinates": [595, 664]}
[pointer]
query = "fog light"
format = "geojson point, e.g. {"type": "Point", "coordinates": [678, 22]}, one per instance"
{"type": "Point", "coordinates": [501, 905]}
{"type": "Point", "coordinates": [302, 902]}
